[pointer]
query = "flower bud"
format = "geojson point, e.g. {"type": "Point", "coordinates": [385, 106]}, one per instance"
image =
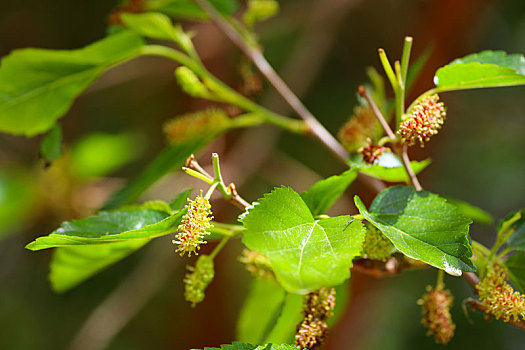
{"type": "Point", "coordinates": [499, 297]}
{"type": "Point", "coordinates": [192, 126]}
{"type": "Point", "coordinates": [257, 264]}
{"type": "Point", "coordinates": [196, 282]}
{"type": "Point", "coordinates": [194, 226]}
{"type": "Point", "coordinates": [436, 305]}
{"type": "Point", "coordinates": [259, 10]}
{"type": "Point", "coordinates": [361, 126]}
{"type": "Point", "coordinates": [190, 83]}
{"type": "Point", "coordinates": [376, 246]}
{"type": "Point", "coordinates": [371, 152]}
{"type": "Point", "coordinates": [425, 119]}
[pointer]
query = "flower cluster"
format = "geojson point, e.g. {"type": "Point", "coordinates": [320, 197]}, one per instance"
{"type": "Point", "coordinates": [318, 307]}
{"type": "Point", "coordinates": [376, 246]}
{"type": "Point", "coordinates": [193, 126]}
{"type": "Point", "coordinates": [196, 282]}
{"type": "Point", "coordinates": [436, 305]}
{"type": "Point", "coordinates": [499, 297]}
{"type": "Point", "coordinates": [362, 125]}
{"type": "Point", "coordinates": [190, 83]}
{"type": "Point", "coordinates": [371, 152]}
{"type": "Point", "coordinates": [424, 120]}
{"type": "Point", "coordinates": [194, 226]}
{"type": "Point", "coordinates": [257, 264]}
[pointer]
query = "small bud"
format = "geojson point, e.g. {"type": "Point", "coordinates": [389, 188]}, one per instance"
{"type": "Point", "coordinates": [194, 226]}
{"type": "Point", "coordinates": [190, 83]}
{"type": "Point", "coordinates": [371, 152]}
{"type": "Point", "coordinates": [424, 120]}
{"type": "Point", "coordinates": [499, 297]}
{"type": "Point", "coordinates": [196, 282]}
{"type": "Point", "coordinates": [376, 246]}
{"type": "Point", "coordinates": [361, 126]}
{"type": "Point", "coordinates": [436, 305]}
{"type": "Point", "coordinates": [318, 306]}
{"type": "Point", "coordinates": [196, 125]}
{"type": "Point", "coordinates": [257, 264]}
{"type": "Point", "coordinates": [259, 10]}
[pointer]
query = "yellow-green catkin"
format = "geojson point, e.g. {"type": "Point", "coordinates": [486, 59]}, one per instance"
{"type": "Point", "coordinates": [436, 304]}
{"type": "Point", "coordinates": [500, 299]}
{"type": "Point", "coordinates": [376, 246]}
{"type": "Point", "coordinates": [257, 264]}
{"type": "Point", "coordinates": [194, 226]}
{"type": "Point", "coordinates": [198, 279]}
{"type": "Point", "coordinates": [424, 121]}
{"type": "Point", "coordinates": [190, 83]}
{"type": "Point", "coordinates": [318, 306]}
{"type": "Point", "coordinates": [362, 125]}
{"type": "Point", "coordinates": [192, 126]}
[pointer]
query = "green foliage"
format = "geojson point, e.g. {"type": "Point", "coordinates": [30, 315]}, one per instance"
{"type": "Point", "coordinates": [388, 168]}
{"type": "Point", "coordinates": [517, 239]}
{"type": "Point", "coordinates": [305, 253]}
{"type": "Point", "coordinates": [470, 211]}
{"type": "Point", "coordinates": [482, 70]}
{"type": "Point", "coordinates": [51, 146]}
{"type": "Point", "coordinates": [244, 346]}
{"type": "Point", "coordinates": [187, 9]}
{"type": "Point", "coordinates": [110, 227]}
{"type": "Point", "coordinates": [423, 226]}
{"type": "Point", "coordinates": [516, 267]}
{"type": "Point", "coordinates": [17, 194]}
{"type": "Point", "coordinates": [99, 154]}
{"type": "Point", "coordinates": [38, 86]}
{"type": "Point", "coordinates": [151, 25]}
{"type": "Point", "coordinates": [71, 266]}
{"type": "Point", "coordinates": [320, 197]}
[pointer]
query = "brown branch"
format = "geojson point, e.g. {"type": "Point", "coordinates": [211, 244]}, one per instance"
{"type": "Point", "coordinates": [254, 54]}
{"type": "Point", "coordinates": [411, 175]}
{"type": "Point", "coordinates": [362, 91]}
{"type": "Point", "coordinates": [474, 304]}
{"type": "Point", "coordinates": [393, 266]}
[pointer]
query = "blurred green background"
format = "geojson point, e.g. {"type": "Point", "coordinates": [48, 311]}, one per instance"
{"type": "Point", "coordinates": [322, 49]}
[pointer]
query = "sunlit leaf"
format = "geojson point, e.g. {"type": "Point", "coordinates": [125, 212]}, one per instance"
{"type": "Point", "coordinates": [51, 146]}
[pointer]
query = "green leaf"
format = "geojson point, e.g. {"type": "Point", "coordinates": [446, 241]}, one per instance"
{"type": "Point", "coordinates": [110, 227]}
{"type": "Point", "coordinates": [180, 200]}
{"type": "Point", "coordinates": [516, 267]}
{"type": "Point", "coordinates": [388, 167]}
{"type": "Point", "coordinates": [286, 325]}
{"type": "Point", "coordinates": [171, 158]}
{"type": "Point", "coordinates": [100, 154]}
{"type": "Point", "coordinates": [324, 193]}
{"type": "Point", "coordinates": [472, 212]}
{"type": "Point", "coordinates": [188, 9]}
{"type": "Point", "coordinates": [260, 311]}
{"type": "Point", "coordinates": [482, 70]}
{"type": "Point", "coordinates": [517, 240]}
{"type": "Point", "coordinates": [244, 346]}
{"type": "Point", "coordinates": [71, 266]}
{"type": "Point", "coordinates": [51, 146]}
{"type": "Point", "coordinates": [305, 253]}
{"type": "Point", "coordinates": [38, 86]}
{"type": "Point", "coordinates": [152, 25]}
{"type": "Point", "coordinates": [423, 226]}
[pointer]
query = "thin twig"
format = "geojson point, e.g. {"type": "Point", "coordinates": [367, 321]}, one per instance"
{"type": "Point", "coordinates": [472, 279]}
{"type": "Point", "coordinates": [411, 174]}
{"type": "Point", "coordinates": [362, 91]}
{"type": "Point", "coordinates": [316, 128]}
{"type": "Point", "coordinates": [473, 303]}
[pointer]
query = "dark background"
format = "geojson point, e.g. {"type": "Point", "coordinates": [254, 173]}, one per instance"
{"type": "Point", "coordinates": [322, 49]}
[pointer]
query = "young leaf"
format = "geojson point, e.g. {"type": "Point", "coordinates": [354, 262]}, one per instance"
{"type": "Point", "coordinates": [388, 168]}
{"type": "Point", "coordinates": [71, 266]}
{"type": "Point", "coordinates": [481, 70]}
{"type": "Point", "coordinates": [517, 240]}
{"type": "Point", "coordinates": [305, 253]}
{"type": "Point", "coordinates": [470, 211]}
{"type": "Point", "coordinates": [516, 267]}
{"type": "Point", "coordinates": [423, 226]}
{"type": "Point", "coordinates": [152, 25]}
{"type": "Point", "coordinates": [266, 300]}
{"type": "Point", "coordinates": [244, 346]}
{"type": "Point", "coordinates": [286, 325]}
{"type": "Point", "coordinates": [38, 86]}
{"type": "Point", "coordinates": [51, 146]}
{"type": "Point", "coordinates": [188, 9]}
{"type": "Point", "coordinates": [324, 193]}
{"type": "Point", "coordinates": [110, 227]}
